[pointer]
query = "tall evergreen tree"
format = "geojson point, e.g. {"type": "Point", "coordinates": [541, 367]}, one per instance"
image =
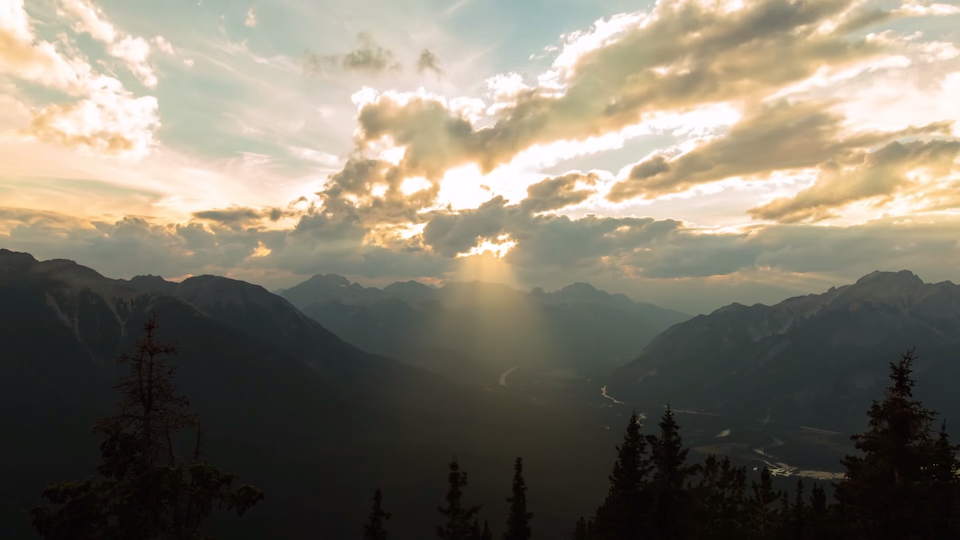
{"type": "Point", "coordinates": [142, 491]}
{"type": "Point", "coordinates": [670, 490]}
{"type": "Point", "coordinates": [518, 521]}
{"type": "Point", "coordinates": [783, 516]}
{"type": "Point", "coordinates": [622, 515]}
{"type": "Point", "coordinates": [762, 514]}
{"type": "Point", "coordinates": [707, 498]}
{"type": "Point", "coordinates": [797, 526]}
{"type": "Point", "coordinates": [884, 492]}
{"type": "Point", "coordinates": [733, 487]}
{"type": "Point", "coordinates": [819, 524]}
{"type": "Point", "coordinates": [374, 529]}
{"type": "Point", "coordinates": [460, 520]}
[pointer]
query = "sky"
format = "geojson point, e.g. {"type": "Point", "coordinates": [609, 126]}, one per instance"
{"type": "Point", "coordinates": [688, 153]}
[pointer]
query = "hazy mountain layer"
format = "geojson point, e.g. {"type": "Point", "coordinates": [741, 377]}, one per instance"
{"type": "Point", "coordinates": [817, 359]}
{"type": "Point", "coordinates": [475, 331]}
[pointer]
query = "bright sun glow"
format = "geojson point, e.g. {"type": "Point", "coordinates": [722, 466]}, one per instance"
{"type": "Point", "coordinates": [484, 265]}
{"type": "Point", "coordinates": [261, 251]}
{"type": "Point", "coordinates": [497, 249]}
{"type": "Point", "coordinates": [462, 188]}
{"type": "Point", "coordinates": [414, 184]}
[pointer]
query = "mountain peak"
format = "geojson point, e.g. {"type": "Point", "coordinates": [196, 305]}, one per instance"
{"type": "Point", "coordinates": [579, 286]}
{"type": "Point", "coordinates": [333, 280]}
{"type": "Point", "coordinates": [152, 284]}
{"type": "Point", "coordinates": [581, 291]}
{"type": "Point", "coordinates": [15, 260]}
{"type": "Point", "coordinates": [878, 277]}
{"type": "Point", "coordinates": [327, 287]}
{"type": "Point", "coordinates": [884, 285]}
{"type": "Point", "coordinates": [410, 290]}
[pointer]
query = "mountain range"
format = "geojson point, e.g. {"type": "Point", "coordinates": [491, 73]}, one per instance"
{"type": "Point", "coordinates": [475, 331]}
{"type": "Point", "coordinates": [817, 360]}
{"type": "Point", "coordinates": [330, 389]}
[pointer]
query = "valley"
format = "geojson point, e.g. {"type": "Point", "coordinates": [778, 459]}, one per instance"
{"type": "Point", "coordinates": [258, 369]}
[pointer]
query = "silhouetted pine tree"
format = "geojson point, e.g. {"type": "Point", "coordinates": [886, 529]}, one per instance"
{"type": "Point", "coordinates": [783, 516]}
{"type": "Point", "coordinates": [819, 524]}
{"type": "Point", "coordinates": [732, 486]}
{"type": "Point", "coordinates": [580, 531]}
{"type": "Point", "coordinates": [142, 491]}
{"type": "Point", "coordinates": [762, 515]}
{"type": "Point", "coordinates": [461, 521]}
{"type": "Point", "coordinates": [670, 500]}
{"type": "Point", "coordinates": [884, 493]}
{"type": "Point", "coordinates": [708, 497]}
{"type": "Point", "coordinates": [797, 523]}
{"type": "Point", "coordinates": [518, 521]}
{"type": "Point", "coordinates": [374, 529]}
{"type": "Point", "coordinates": [621, 517]}
{"type": "Point", "coordinates": [486, 534]}
{"type": "Point", "coordinates": [944, 498]}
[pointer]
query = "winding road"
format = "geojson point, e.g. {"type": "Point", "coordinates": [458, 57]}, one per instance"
{"type": "Point", "coordinates": [503, 376]}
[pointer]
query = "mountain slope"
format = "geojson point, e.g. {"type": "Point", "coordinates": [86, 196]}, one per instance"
{"type": "Point", "coordinates": [816, 359]}
{"type": "Point", "coordinates": [293, 409]}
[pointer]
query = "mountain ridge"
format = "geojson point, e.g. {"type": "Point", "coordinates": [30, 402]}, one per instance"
{"type": "Point", "coordinates": [829, 348]}
{"type": "Point", "coordinates": [472, 329]}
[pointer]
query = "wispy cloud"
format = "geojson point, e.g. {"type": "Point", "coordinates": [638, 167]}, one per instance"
{"type": "Point", "coordinates": [369, 57]}
{"type": "Point", "coordinates": [429, 61]}
{"type": "Point", "coordinates": [133, 51]}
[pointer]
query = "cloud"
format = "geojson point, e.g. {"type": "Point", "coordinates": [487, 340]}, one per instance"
{"type": "Point", "coordinates": [368, 57]}
{"type": "Point", "coordinates": [559, 192]}
{"type": "Point", "coordinates": [133, 51]}
{"type": "Point", "coordinates": [428, 60]}
{"type": "Point", "coordinates": [104, 116]}
{"type": "Point", "coordinates": [431, 177]}
{"type": "Point", "coordinates": [640, 255]}
{"type": "Point", "coordinates": [28, 58]}
{"type": "Point", "coordinates": [164, 45]}
{"type": "Point", "coordinates": [371, 192]}
{"type": "Point", "coordinates": [926, 245]}
{"type": "Point", "coordinates": [918, 8]}
{"type": "Point", "coordinates": [880, 174]}
{"type": "Point", "coordinates": [251, 21]}
{"type": "Point", "coordinates": [452, 234]}
{"type": "Point", "coordinates": [242, 216]}
{"type": "Point", "coordinates": [779, 136]}
{"type": "Point", "coordinates": [106, 122]}
{"type": "Point", "coordinates": [680, 56]}
{"type": "Point", "coordinates": [128, 246]}
{"type": "Point", "coordinates": [137, 245]}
